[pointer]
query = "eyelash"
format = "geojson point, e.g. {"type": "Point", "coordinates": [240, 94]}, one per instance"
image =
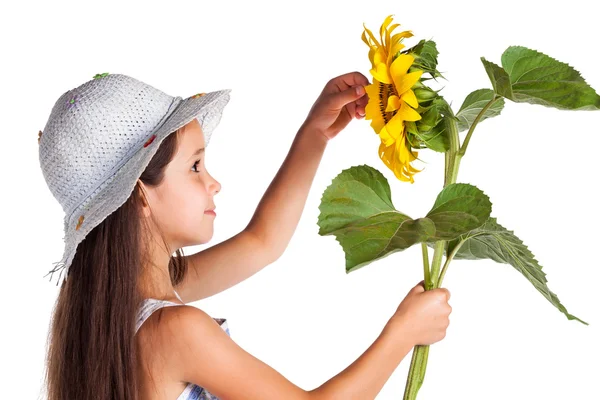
{"type": "Point", "coordinates": [195, 164]}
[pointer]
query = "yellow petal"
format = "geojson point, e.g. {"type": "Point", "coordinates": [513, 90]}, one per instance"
{"type": "Point", "coordinates": [386, 22]}
{"type": "Point", "coordinates": [406, 113]}
{"type": "Point", "coordinates": [395, 48]}
{"type": "Point", "coordinates": [402, 151]}
{"type": "Point", "coordinates": [389, 32]}
{"type": "Point", "coordinates": [405, 82]}
{"type": "Point", "coordinates": [385, 136]}
{"type": "Point", "coordinates": [401, 35]}
{"type": "Point", "coordinates": [379, 57]}
{"type": "Point", "coordinates": [386, 153]}
{"type": "Point", "coordinates": [377, 124]}
{"type": "Point", "coordinates": [393, 103]}
{"type": "Point", "coordinates": [373, 108]}
{"type": "Point", "coordinates": [364, 39]}
{"type": "Point", "coordinates": [372, 91]}
{"type": "Point", "coordinates": [372, 37]}
{"type": "Point", "coordinates": [410, 98]}
{"type": "Point", "coordinates": [380, 72]}
{"type": "Point", "coordinates": [372, 51]}
{"type": "Point", "coordinates": [401, 65]}
{"type": "Point", "coordinates": [393, 130]}
{"type": "Point", "coordinates": [395, 44]}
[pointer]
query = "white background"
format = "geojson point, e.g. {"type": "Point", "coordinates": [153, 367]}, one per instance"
{"type": "Point", "coordinates": [303, 315]}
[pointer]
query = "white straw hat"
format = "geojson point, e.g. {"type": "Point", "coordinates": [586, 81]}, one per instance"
{"type": "Point", "coordinates": [99, 139]}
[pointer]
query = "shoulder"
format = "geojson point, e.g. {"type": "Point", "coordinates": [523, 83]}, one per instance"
{"type": "Point", "coordinates": [208, 357]}
{"type": "Point", "coordinates": [192, 338]}
{"type": "Point", "coordinates": [182, 322]}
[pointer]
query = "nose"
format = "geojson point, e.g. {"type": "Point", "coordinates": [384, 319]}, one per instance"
{"type": "Point", "coordinates": [216, 186]}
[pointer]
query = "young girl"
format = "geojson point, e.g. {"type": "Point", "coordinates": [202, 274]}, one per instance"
{"type": "Point", "coordinates": [126, 163]}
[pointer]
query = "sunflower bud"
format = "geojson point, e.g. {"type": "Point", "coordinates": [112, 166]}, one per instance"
{"type": "Point", "coordinates": [423, 94]}
{"type": "Point", "coordinates": [430, 118]}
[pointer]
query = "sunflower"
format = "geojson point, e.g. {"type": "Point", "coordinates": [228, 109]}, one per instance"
{"type": "Point", "coordinates": [391, 99]}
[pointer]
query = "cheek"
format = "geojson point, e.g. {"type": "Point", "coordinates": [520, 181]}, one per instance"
{"type": "Point", "coordinates": [182, 212]}
{"type": "Point", "coordinates": [187, 204]}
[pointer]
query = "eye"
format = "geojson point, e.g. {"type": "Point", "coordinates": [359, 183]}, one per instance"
{"type": "Point", "coordinates": [195, 166]}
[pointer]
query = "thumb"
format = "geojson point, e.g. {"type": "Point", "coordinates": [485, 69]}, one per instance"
{"type": "Point", "coordinates": [349, 95]}
{"type": "Point", "coordinates": [420, 287]}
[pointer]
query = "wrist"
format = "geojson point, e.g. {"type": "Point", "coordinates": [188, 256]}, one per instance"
{"type": "Point", "coordinates": [306, 129]}
{"type": "Point", "coordinates": [400, 328]}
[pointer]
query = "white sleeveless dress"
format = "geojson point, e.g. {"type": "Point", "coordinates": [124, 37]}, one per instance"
{"type": "Point", "coordinates": [147, 307]}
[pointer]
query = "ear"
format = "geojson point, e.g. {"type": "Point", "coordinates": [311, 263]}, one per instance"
{"type": "Point", "coordinates": [142, 194]}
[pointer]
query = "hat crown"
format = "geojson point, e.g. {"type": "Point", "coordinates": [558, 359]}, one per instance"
{"type": "Point", "coordinates": [95, 128]}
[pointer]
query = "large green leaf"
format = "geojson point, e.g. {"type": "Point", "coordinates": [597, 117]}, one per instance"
{"type": "Point", "coordinates": [459, 208]}
{"type": "Point", "coordinates": [536, 78]}
{"type": "Point", "coordinates": [357, 208]}
{"type": "Point", "coordinates": [472, 106]}
{"type": "Point", "coordinates": [494, 242]}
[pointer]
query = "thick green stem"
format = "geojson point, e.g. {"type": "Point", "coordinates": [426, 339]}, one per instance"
{"type": "Point", "coordinates": [433, 278]}
{"type": "Point", "coordinates": [418, 364]}
{"type": "Point", "coordinates": [416, 374]}
{"type": "Point", "coordinates": [438, 253]}
{"type": "Point", "coordinates": [426, 274]}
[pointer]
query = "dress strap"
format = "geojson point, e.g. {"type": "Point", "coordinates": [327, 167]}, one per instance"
{"type": "Point", "coordinates": [177, 294]}
{"type": "Point", "coordinates": [148, 306]}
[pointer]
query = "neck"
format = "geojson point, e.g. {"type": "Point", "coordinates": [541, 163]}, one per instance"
{"type": "Point", "coordinates": [155, 283]}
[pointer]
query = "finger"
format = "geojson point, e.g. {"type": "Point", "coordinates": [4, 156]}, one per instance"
{"type": "Point", "coordinates": [349, 79]}
{"type": "Point", "coordinates": [444, 293]}
{"type": "Point", "coordinates": [360, 111]}
{"type": "Point", "coordinates": [363, 101]}
{"type": "Point", "coordinates": [350, 95]}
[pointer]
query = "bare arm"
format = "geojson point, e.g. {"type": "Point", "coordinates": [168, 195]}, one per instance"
{"type": "Point", "coordinates": [365, 377]}
{"type": "Point", "coordinates": [278, 213]}
{"type": "Point", "coordinates": [204, 354]}
{"type": "Point", "coordinates": [269, 231]}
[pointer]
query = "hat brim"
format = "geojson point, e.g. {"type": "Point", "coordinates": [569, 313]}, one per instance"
{"type": "Point", "coordinates": [115, 191]}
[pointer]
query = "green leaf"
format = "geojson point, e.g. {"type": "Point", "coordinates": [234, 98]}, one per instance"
{"type": "Point", "coordinates": [357, 208]}
{"type": "Point", "coordinates": [458, 209]}
{"type": "Point", "coordinates": [529, 76]}
{"type": "Point", "coordinates": [540, 79]}
{"type": "Point", "coordinates": [500, 79]}
{"type": "Point", "coordinates": [494, 242]}
{"type": "Point", "coordinates": [425, 54]}
{"type": "Point", "coordinates": [472, 106]}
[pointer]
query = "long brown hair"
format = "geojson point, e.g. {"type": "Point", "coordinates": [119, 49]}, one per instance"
{"type": "Point", "coordinates": [91, 348]}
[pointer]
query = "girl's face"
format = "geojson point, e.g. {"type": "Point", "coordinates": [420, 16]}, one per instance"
{"type": "Point", "coordinates": [180, 202]}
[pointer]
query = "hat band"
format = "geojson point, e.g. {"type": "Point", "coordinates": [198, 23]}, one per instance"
{"type": "Point", "coordinates": [174, 103]}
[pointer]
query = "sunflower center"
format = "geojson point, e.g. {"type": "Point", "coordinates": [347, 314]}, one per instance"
{"type": "Point", "coordinates": [385, 91]}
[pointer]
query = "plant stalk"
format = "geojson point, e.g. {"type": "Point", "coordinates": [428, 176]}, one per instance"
{"type": "Point", "coordinates": [418, 364]}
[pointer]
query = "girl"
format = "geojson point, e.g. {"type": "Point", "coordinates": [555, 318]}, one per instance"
{"type": "Point", "coordinates": [126, 162]}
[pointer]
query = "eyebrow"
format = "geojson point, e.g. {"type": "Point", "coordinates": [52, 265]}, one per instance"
{"type": "Point", "coordinates": [197, 152]}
